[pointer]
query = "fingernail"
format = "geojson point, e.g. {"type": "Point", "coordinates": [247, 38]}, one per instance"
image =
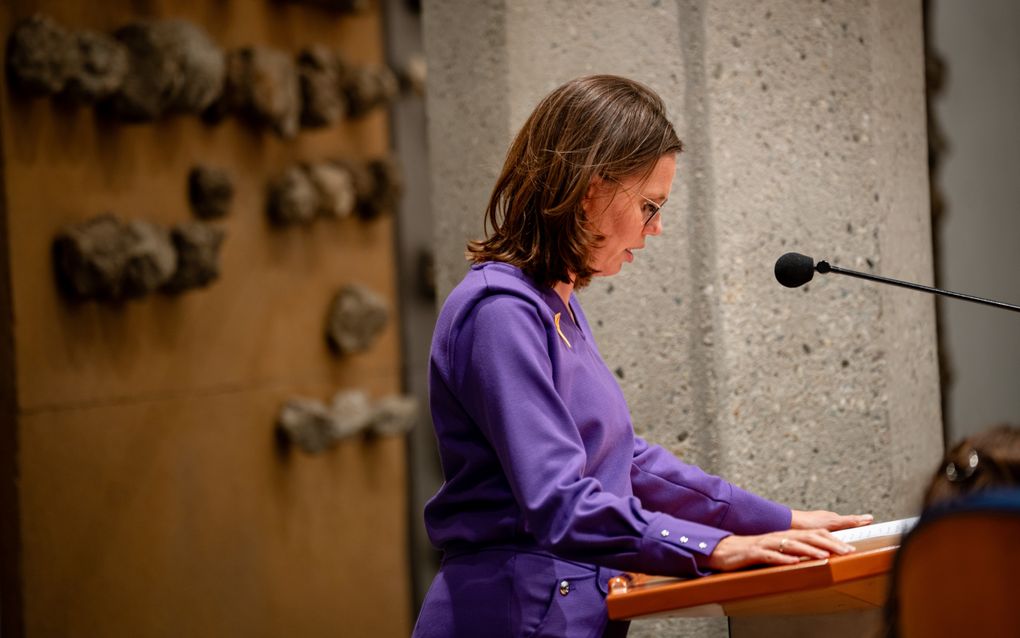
{"type": "Point", "coordinates": [846, 549]}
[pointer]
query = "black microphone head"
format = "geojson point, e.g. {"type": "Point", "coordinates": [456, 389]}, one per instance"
{"type": "Point", "coordinates": [794, 269]}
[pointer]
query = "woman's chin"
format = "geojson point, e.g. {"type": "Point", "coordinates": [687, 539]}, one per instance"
{"type": "Point", "coordinates": [609, 270]}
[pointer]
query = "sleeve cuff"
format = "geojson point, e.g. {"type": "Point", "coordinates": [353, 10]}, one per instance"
{"type": "Point", "coordinates": [669, 540]}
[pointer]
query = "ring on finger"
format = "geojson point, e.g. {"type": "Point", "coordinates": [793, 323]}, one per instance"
{"type": "Point", "coordinates": [782, 544]}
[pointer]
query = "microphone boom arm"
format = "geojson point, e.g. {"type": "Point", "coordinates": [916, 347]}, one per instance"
{"type": "Point", "coordinates": [824, 267]}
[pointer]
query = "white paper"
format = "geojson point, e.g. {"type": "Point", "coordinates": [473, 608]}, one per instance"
{"type": "Point", "coordinates": [876, 530]}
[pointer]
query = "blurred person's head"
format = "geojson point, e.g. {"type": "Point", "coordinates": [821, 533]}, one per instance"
{"type": "Point", "coordinates": [985, 460]}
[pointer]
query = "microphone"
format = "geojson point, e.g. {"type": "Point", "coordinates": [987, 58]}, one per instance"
{"type": "Point", "coordinates": [794, 270]}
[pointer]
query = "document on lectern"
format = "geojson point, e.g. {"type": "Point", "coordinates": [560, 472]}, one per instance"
{"type": "Point", "coordinates": [876, 530]}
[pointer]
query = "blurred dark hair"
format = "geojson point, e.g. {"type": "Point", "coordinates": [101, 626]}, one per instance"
{"type": "Point", "coordinates": [988, 459]}
{"type": "Point", "coordinates": [595, 126]}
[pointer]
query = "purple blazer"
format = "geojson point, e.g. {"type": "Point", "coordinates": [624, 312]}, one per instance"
{"type": "Point", "coordinates": [548, 492]}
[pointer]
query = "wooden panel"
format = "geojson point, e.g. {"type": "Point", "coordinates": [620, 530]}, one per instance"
{"type": "Point", "coordinates": [182, 518]}
{"type": "Point", "coordinates": [866, 593]}
{"type": "Point", "coordinates": [263, 320]}
{"type": "Point", "coordinates": [152, 499]}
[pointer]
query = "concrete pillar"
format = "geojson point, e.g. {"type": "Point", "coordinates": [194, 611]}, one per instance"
{"type": "Point", "coordinates": [804, 123]}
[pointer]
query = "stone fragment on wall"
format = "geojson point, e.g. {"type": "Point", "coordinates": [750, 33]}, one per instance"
{"type": "Point", "coordinates": [262, 85]}
{"type": "Point", "coordinates": [308, 424]}
{"type": "Point", "coordinates": [356, 317]}
{"type": "Point", "coordinates": [89, 258]}
{"type": "Point", "coordinates": [381, 189]}
{"type": "Point", "coordinates": [293, 198]}
{"type": "Point", "coordinates": [174, 67]}
{"type": "Point", "coordinates": [394, 415]}
{"type": "Point", "coordinates": [198, 252]}
{"type": "Point", "coordinates": [413, 75]}
{"type": "Point", "coordinates": [367, 87]}
{"type": "Point", "coordinates": [352, 412]}
{"type": "Point", "coordinates": [40, 55]}
{"type": "Point", "coordinates": [315, 427]}
{"type": "Point", "coordinates": [100, 66]}
{"type": "Point", "coordinates": [104, 258]}
{"type": "Point", "coordinates": [210, 191]}
{"type": "Point", "coordinates": [151, 258]}
{"type": "Point", "coordinates": [322, 73]}
{"type": "Point", "coordinates": [334, 185]}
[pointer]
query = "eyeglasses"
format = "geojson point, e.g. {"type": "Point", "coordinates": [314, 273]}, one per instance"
{"type": "Point", "coordinates": [960, 473]}
{"type": "Point", "coordinates": [649, 208]}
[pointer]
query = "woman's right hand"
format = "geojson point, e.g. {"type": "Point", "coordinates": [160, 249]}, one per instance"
{"type": "Point", "coordinates": [776, 548]}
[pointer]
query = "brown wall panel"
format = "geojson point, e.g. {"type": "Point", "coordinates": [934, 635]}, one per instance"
{"type": "Point", "coordinates": [259, 321]}
{"type": "Point", "coordinates": [181, 518]}
{"type": "Point", "coordinates": [151, 497]}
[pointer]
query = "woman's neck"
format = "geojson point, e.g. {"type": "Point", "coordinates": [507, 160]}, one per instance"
{"type": "Point", "coordinates": [563, 289]}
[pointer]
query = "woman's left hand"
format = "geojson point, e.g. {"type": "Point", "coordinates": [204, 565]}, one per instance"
{"type": "Point", "coordinates": [821, 519]}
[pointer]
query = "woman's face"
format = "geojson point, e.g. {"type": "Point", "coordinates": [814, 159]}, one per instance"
{"type": "Point", "coordinates": [620, 211]}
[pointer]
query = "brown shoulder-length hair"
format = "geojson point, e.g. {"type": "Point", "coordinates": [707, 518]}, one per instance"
{"type": "Point", "coordinates": [596, 126]}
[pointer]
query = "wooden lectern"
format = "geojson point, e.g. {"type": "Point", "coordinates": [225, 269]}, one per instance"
{"type": "Point", "coordinates": [838, 583]}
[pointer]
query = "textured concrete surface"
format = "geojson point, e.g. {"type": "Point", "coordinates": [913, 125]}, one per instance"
{"type": "Point", "coordinates": [976, 110]}
{"type": "Point", "coordinates": [804, 124]}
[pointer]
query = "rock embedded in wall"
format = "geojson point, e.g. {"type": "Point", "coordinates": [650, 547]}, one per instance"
{"type": "Point", "coordinates": [306, 423]}
{"type": "Point", "coordinates": [382, 190]}
{"type": "Point", "coordinates": [104, 258]}
{"type": "Point", "coordinates": [174, 67]}
{"type": "Point", "coordinates": [210, 191]}
{"type": "Point", "coordinates": [331, 189]}
{"type": "Point", "coordinates": [356, 317]}
{"type": "Point", "coordinates": [293, 198]}
{"type": "Point", "coordinates": [100, 67]}
{"type": "Point", "coordinates": [89, 258]}
{"type": "Point", "coordinates": [334, 185]}
{"type": "Point", "coordinates": [152, 68]}
{"type": "Point", "coordinates": [413, 75]}
{"type": "Point", "coordinates": [314, 427]}
{"type": "Point", "coordinates": [322, 73]}
{"type": "Point", "coordinates": [368, 87]}
{"type": "Point", "coordinates": [198, 252]}
{"type": "Point", "coordinates": [263, 86]}
{"type": "Point", "coordinates": [394, 415]}
{"type": "Point", "coordinates": [40, 55]}
{"type": "Point", "coordinates": [352, 413]}
{"type": "Point", "coordinates": [151, 261]}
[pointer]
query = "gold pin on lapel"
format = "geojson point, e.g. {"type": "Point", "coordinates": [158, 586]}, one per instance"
{"type": "Point", "coordinates": [556, 320]}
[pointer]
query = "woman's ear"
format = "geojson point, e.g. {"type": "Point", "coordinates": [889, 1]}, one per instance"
{"type": "Point", "coordinates": [594, 189]}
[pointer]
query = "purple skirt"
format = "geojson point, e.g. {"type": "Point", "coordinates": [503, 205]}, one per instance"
{"type": "Point", "coordinates": [507, 593]}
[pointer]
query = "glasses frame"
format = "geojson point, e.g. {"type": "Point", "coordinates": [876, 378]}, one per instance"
{"type": "Point", "coordinates": [656, 206]}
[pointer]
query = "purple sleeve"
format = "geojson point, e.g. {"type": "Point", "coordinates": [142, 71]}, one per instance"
{"type": "Point", "coordinates": [500, 368]}
{"type": "Point", "coordinates": [666, 484]}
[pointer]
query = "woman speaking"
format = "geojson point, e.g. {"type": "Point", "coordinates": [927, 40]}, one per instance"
{"type": "Point", "coordinates": [547, 491]}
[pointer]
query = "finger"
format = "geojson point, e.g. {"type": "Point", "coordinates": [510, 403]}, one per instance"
{"type": "Point", "coordinates": [824, 539]}
{"type": "Point", "coordinates": [799, 548]}
{"type": "Point", "coordinates": [853, 520]}
{"type": "Point", "coordinates": [864, 519]}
